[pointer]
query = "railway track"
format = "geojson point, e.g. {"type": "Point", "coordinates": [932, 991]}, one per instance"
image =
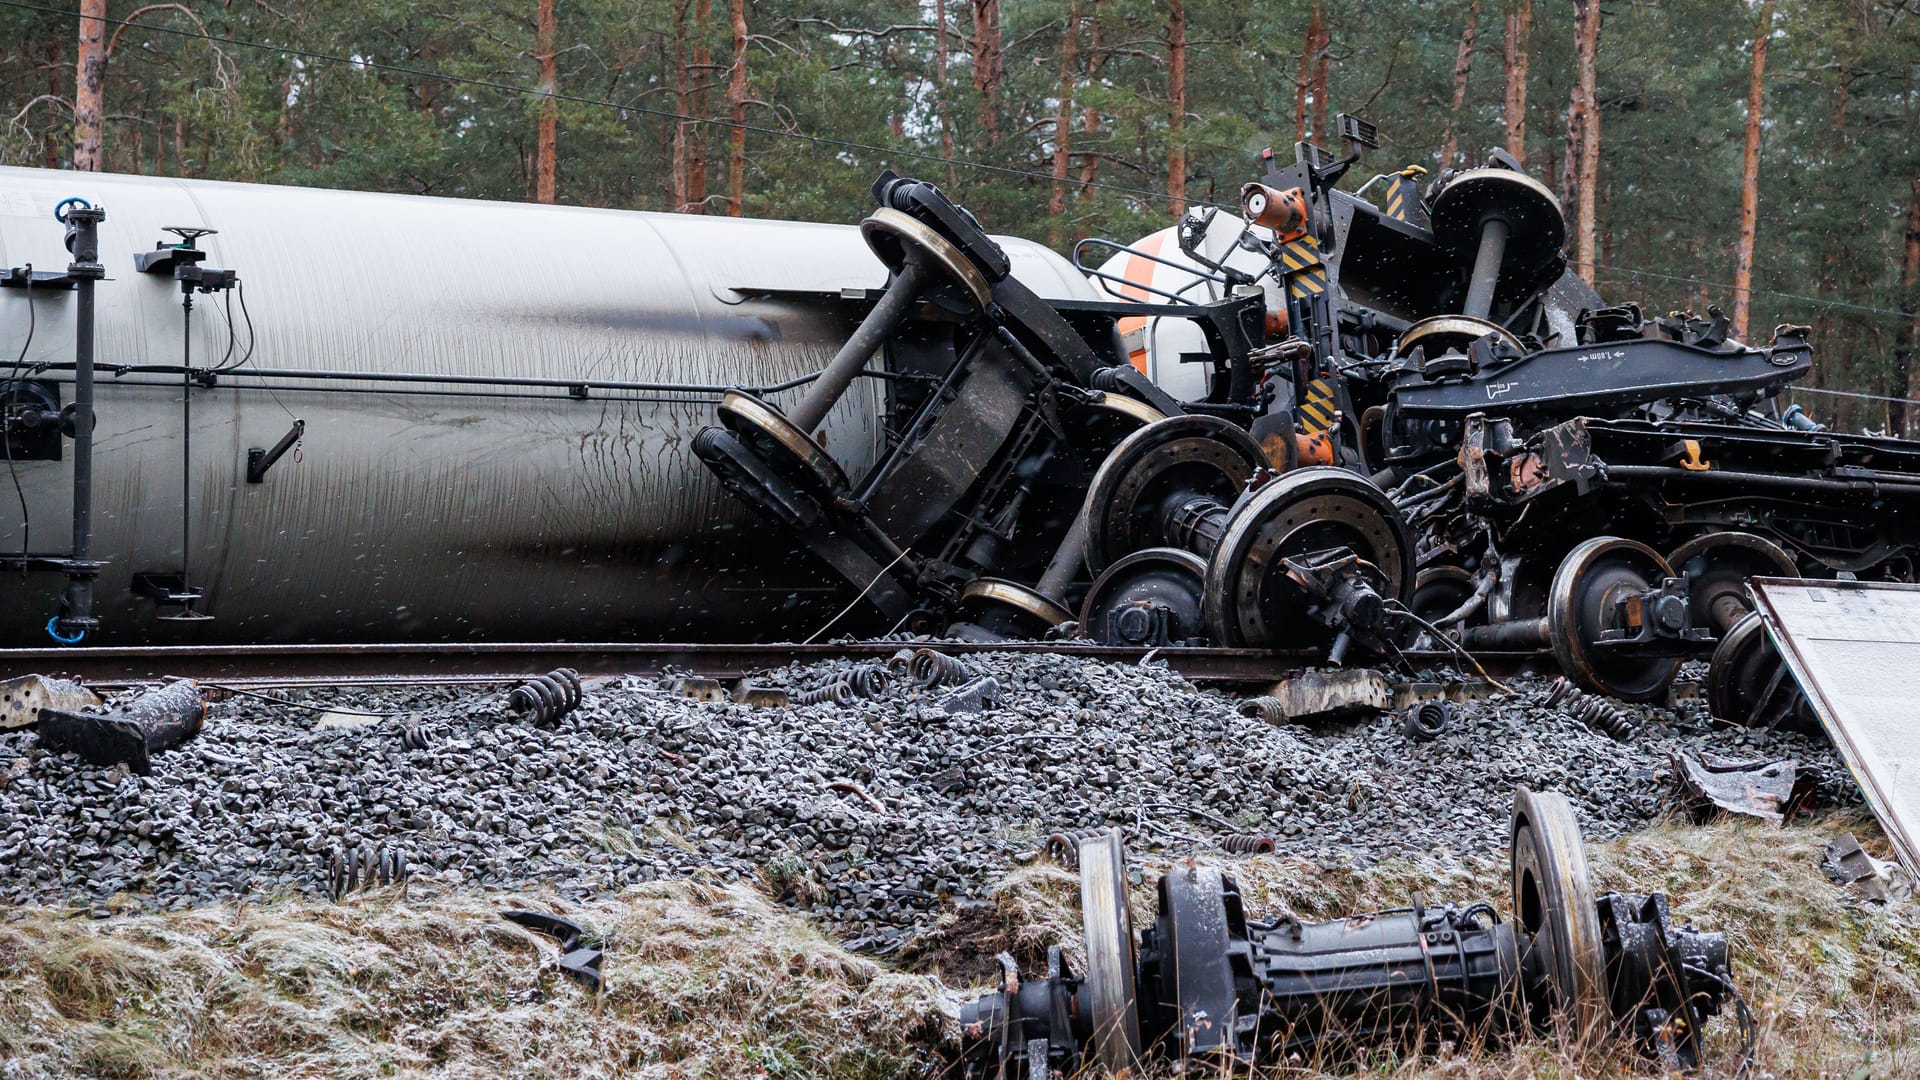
{"type": "Point", "coordinates": [375, 664]}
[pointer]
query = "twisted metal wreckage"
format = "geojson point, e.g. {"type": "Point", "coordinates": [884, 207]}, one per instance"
{"type": "Point", "coordinates": [1417, 428]}
{"type": "Point", "coordinates": [1332, 427]}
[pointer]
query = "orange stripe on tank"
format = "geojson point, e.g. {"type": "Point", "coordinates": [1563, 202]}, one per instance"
{"type": "Point", "coordinates": [1139, 273]}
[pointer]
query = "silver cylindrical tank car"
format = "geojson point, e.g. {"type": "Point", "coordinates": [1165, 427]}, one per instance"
{"type": "Point", "coordinates": [516, 485]}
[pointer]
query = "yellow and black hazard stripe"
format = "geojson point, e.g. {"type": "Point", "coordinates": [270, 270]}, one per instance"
{"type": "Point", "coordinates": [1300, 262]}
{"type": "Point", "coordinates": [1316, 412]}
{"type": "Point", "coordinates": [1403, 201]}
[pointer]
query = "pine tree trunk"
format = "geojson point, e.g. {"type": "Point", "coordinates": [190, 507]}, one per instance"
{"type": "Point", "coordinates": [1583, 152]}
{"type": "Point", "coordinates": [702, 75]}
{"type": "Point", "coordinates": [1177, 105]}
{"type": "Point", "coordinates": [90, 80]}
{"type": "Point", "coordinates": [1750, 177]}
{"type": "Point", "coordinates": [1321, 49]}
{"type": "Point", "coordinates": [737, 99]}
{"type": "Point", "coordinates": [1063, 126]}
{"type": "Point", "coordinates": [683, 103]}
{"type": "Point", "coordinates": [1909, 303]}
{"type": "Point", "coordinates": [986, 61]}
{"type": "Point", "coordinates": [1462, 66]}
{"type": "Point", "coordinates": [546, 156]}
{"type": "Point", "coordinates": [1303, 78]}
{"type": "Point", "coordinates": [50, 146]}
{"type": "Point", "coordinates": [1519, 23]}
{"type": "Point", "coordinates": [940, 90]}
{"type": "Point", "coordinates": [1090, 120]}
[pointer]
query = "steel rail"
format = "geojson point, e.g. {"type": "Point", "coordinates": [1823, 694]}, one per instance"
{"type": "Point", "coordinates": [475, 662]}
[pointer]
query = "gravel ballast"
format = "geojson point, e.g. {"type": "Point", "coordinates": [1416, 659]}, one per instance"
{"type": "Point", "coordinates": [874, 816]}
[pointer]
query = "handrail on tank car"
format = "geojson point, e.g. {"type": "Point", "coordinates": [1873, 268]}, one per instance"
{"type": "Point", "coordinates": [578, 388]}
{"type": "Point", "coordinates": [1218, 279]}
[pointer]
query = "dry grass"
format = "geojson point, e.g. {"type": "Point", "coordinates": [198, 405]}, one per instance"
{"type": "Point", "coordinates": [711, 980]}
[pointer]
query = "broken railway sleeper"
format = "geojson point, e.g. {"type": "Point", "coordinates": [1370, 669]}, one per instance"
{"type": "Point", "coordinates": [1209, 987]}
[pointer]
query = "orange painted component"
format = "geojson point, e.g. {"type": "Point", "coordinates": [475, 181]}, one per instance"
{"type": "Point", "coordinates": [1285, 212]}
{"type": "Point", "coordinates": [1315, 449]}
{"type": "Point", "coordinates": [1276, 324]}
{"type": "Point", "coordinates": [1139, 273]}
{"type": "Point", "coordinates": [1692, 461]}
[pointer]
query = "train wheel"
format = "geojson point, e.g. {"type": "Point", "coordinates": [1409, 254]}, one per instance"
{"type": "Point", "coordinates": [1147, 597]}
{"type": "Point", "coordinates": [1112, 1007]}
{"type": "Point", "coordinates": [1717, 566]}
{"type": "Point", "coordinates": [1011, 609]}
{"type": "Point", "coordinates": [892, 234]}
{"type": "Point", "coordinates": [1749, 684]}
{"type": "Point", "coordinates": [1553, 902]}
{"type": "Point", "coordinates": [780, 443]}
{"type": "Point", "coordinates": [1581, 607]}
{"type": "Point", "coordinates": [1250, 600]}
{"type": "Point", "coordinates": [1168, 460]}
{"type": "Point", "coordinates": [1439, 591]}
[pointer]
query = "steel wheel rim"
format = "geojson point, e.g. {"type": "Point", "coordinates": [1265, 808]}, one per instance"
{"type": "Point", "coordinates": [1553, 901]}
{"type": "Point", "coordinates": [1309, 509]}
{"type": "Point", "coordinates": [1741, 556]}
{"type": "Point", "coordinates": [788, 450]}
{"type": "Point", "coordinates": [889, 233]}
{"type": "Point", "coordinates": [1577, 611]}
{"type": "Point", "coordinates": [1127, 574]}
{"type": "Point", "coordinates": [1108, 924]}
{"type": "Point", "coordinates": [1210, 454]}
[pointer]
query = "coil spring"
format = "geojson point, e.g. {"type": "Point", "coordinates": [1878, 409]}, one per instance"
{"type": "Point", "coordinates": [364, 868]}
{"type": "Point", "coordinates": [1265, 708]}
{"type": "Point", "coordinates": [870, 680]}
{"type": "Point", "coordinates": [1589, 710]}
{"type": "Point", "coordinates": [415, 737]}
{"type": "Point", "coordinates": [1064, 847]}
{"type": "Point", "coordinates": [900, 664]}
{"type": "Point", "coordinates": [549, 697]}
{"type": "Point", "coordinates": [1427, 720]}
{"type": "Point", "coordinates": [931, 669]}
{"type": "Point", "coordinates": [834, 693]}
{"type": "Point", "coordinates": [1247, 844]}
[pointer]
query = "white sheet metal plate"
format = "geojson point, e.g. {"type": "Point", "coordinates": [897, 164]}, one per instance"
{"type": "Point", "coordinates": [1854, 648]}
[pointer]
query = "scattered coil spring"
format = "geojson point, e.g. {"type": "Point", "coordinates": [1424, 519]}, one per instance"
{"type": "Point", "coordinates": [931, 669]}
{"type": "Point", "coordinates": [1064, 847]}
{"type": "Point", "coordinates": [1427, 720]}
{"type": "Point", "coordinates": [1265, 708]}
{"type": "Point", "coordinates": [1247, 844]}
{"type": "Point", "coordinates": [870, 680]}
{"type": "Point", "coordinates": [364, 868]}
{"type": "Point", "coordinates": [549, 697]}
{"type": "Point", "coordinates": [835, 693]}
{"type": "Point", "coordinates": [900, 664]}
{"type": "Point", "coordinates": [1589, 710]}
{"type": "Point", "coordinates": [415, 737]}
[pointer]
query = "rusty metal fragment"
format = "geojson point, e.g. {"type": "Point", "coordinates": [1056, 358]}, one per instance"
{"type": "Point", "coordinates": [1854, 648]}
{"type": "Point", "coordinates": [22, 699]}
{"type": "Point", "coordinates": [133, 731]}
{"type": "Point", "coordinates": [1770, 788]}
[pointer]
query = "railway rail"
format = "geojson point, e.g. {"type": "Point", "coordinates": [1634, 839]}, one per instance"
{"type": "Point", "coordinates": [376, 664]}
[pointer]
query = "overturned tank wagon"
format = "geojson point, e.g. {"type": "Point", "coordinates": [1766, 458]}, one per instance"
{"type": "Point", "coordinates": [330, 416]}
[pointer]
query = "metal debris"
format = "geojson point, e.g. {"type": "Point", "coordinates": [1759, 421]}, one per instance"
{"type": "Point", "coordinates": [1426, 721]}
{"type": "Point", "coordinates": [1315, 695]}
{"type": "Point", "coordinates": [1854, 648]}
{"type": "Point", "coordinates": [22, 699]}
{"type": "Point", "coordinates": [548, 698]}
{"type": "Point", "coordinates": [977, 696]}
{"type": "Point", "coordinates": [1847, 863]}
{"type": "Point", "coordinates": [366, 867]}
{"type": "Point", "coordinates": [581, 953]}
{"type": "Point", "coordinates": [1771, 789]}
{"type": "Point", "coordinates": [131, 733]}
